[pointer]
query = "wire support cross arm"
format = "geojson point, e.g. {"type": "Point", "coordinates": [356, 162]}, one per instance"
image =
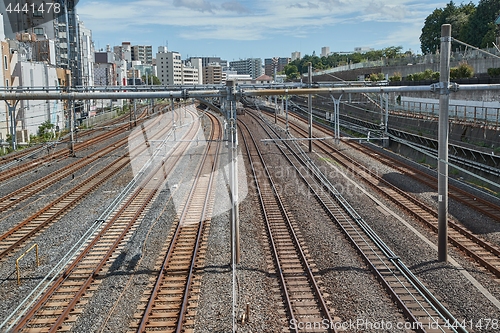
{"type": "Point", "coordinates": [473, 47]}
{"type": "Point", "coordinates": [443, 89]}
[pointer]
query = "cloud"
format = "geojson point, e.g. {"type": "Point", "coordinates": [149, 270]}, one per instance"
{"type": "Point", "coordinates": [309, 5]}
{"type": "Point", "coordinates": [235, 6]}
{"type": "Point", "coordinates": [251, 20]}
{"type": "Point", "coordinates": [198, 5]}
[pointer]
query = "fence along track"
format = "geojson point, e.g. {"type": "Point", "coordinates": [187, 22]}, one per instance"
{"type": "Point", "coordinates": [59, 307]}
{"type": "Point", "coordinates": [412, 297]}
{"type": "Point", "coordinates": [31, 226]}
{"type": "Point", "coordinates": [302, 295]}
{"type": "Point", "coordinates": [485, 207]}
{"type": "Point", "coordinates": [172, 297]}
{"type": "Point", "coordinates": [484, 252]}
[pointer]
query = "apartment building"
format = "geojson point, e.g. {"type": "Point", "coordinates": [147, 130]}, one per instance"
{"type": "Point", "coordinates": [280, 64]}
{"type": "Point", "coordinates": [142, 53]}
{"type": "Point", "coordinates": [250, 66]}
{"type": "Point", "coordinates": [212, 74]}
{"type": "Point", "coordinates": [169, 67]}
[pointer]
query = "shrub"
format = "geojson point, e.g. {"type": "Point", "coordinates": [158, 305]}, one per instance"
{"type": "Point", "coordinates": [396, 77]}
{"type": "Point", "coordinates": [374, 77]}
{"type": "Point", "coordinates": [494, 72]}
{"type": "Point", "coordinates": [463, 71]}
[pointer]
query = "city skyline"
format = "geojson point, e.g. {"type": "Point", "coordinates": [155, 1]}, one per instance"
{"type": "Point", "coordinates": [244, 29]}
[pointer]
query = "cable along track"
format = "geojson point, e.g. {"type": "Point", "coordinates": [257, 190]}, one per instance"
{"type": "Point", "coordinates": [172, 299]}
{"type": "Point", "coordinates": [484, 252]}
{"type": "Point", "coordinates": [301, 293]}
{"type": "Point", "coordinates": [58, 308]}
{"type": "Point", "coordinates": [417, 303]}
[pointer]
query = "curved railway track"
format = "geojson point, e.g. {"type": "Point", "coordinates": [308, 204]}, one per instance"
{"type": "Point", "coordinates": [20, 155]}
{"type": "Point", "coordinates": [13, 170]}
{"type": "Point", "coordinates": [485, 207]}
{"type": "Point", "coordinates": [170, 306]}
{"type": "Point", "coordinates": [27, 229]}
{"type": "Point", "coordinates": [14, 198]}
{"type": "Point", "coordinates": [484, 252]}
{"type": "Point", "coordinates": [301, 293]}
{"type": "Point", "coordinates": [59, 307]}
{"type": "Point", "coordinates": [414, 299]}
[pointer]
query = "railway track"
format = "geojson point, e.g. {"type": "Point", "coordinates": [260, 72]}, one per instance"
{"type": "Point", "coordinates": [302, 296]}
{"type": "Point", "coordinates": [414, 299]}
{"type": "Point", "coordinates": [171, 303]}
{"type": "Point", "coordinates": [27, 229]}
{"type": "Point", "coordinates": [12, 168]}
{"type": "Point", "coordinates": [14, 198]}
{"type": "Point", "coordinates": [484, 252]}
{"type": "Point", "coordinates": [59, 307]}
{"type": "Point", "coordinates": [485, 207]}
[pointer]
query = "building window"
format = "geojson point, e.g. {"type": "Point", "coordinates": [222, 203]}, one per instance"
{"type": "Point", "coordinates": [38, 31]}
{"type": "Point", "coordinates": [5, 63]}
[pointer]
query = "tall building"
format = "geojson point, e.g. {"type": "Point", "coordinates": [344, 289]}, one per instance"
{"type": "Point", "coordinates": [250, 66]}
{"type": "Point", "coordinates": [280, 65]}
{"type": "Point", "coordinates": [295, 55]}
{"type": "Point", "coordinates": [87, 55]}
{"type": "Point", "coordinates": [61, 27]}
{"type": "Point", "coordinates": [190, 74]}
{"type": "Point", "coordinates": [123, 52]}
{"type": "Point", "coordinates": [325, 51]}
{"type": "Point", "coordinates": [212, 74]}
{"type": "Point", "coordinates": [105, 73]}
{"type": "Point", "coordinates": [142, 53]}
{"type": "Point", "coordinates": [169, 67]}
{"type": "Point", "coordinates": [205, 61]}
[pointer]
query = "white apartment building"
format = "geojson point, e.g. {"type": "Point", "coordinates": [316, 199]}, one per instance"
{"type": "Point", "coordinates": [169, 67]}
{"type": "Point", "coordinates": [325, 51]}
{"type": "Point", "coordinates": [142, 53]}
{"type": "Point", "coordinates": [190, 74]}
{"type": "Point", "coordinates": [250, 66]}
{"type": "Point", "coordinates": [295, 55]}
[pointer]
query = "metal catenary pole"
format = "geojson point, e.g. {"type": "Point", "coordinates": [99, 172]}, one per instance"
{"type": "Point", "coordinates": [309, 107]}
{"type": "Point", "coordinates": [444, 100]}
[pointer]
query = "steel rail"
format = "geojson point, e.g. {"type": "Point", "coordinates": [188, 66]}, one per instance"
{"type": "Point", "coordinates": [171, 248]}
{"type": "Point", "coordinates": [273, 247]}
{"type": "Point", "coordinates": [75, 194]}
{"type": "Point", "coordinates": [444, 314]}
{"type": "Point", "coordinates": [395, 194]}
{"type": "Point", "coordinates": [23, 321]}
{"type": "Point", "coordinates": [294, 237]}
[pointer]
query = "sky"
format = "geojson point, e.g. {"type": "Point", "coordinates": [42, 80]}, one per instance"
{"type": "Point", "coordinates": [241, 29]}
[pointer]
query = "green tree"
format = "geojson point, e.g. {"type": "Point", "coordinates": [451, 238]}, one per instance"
{"type": "Point", "coordinates": [291, 72]}
{"type": "Point", "coordinates": [481, 23]}
{"type": "Point", "coordinates": [464, 70]}
{"type": "Point", "coordinates": [45, 131]}
{"type": "Point", "coordinates": [458, 17]}
{"type": "Point", "coordinates": [151, 80]}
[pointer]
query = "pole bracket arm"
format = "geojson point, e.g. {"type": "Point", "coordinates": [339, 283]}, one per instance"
{"type": "Point", "coordinates": [442, 89]}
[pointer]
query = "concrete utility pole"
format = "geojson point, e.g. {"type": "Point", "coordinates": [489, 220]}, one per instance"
{"type": "Point", "coordinates": [12, 118]}
{"type": "Point", "coordinates": [233, 171]}
{"type": "Point", "coordinates": [444, 100]}
{"type": "Point", "coordinates": [309, 107]}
